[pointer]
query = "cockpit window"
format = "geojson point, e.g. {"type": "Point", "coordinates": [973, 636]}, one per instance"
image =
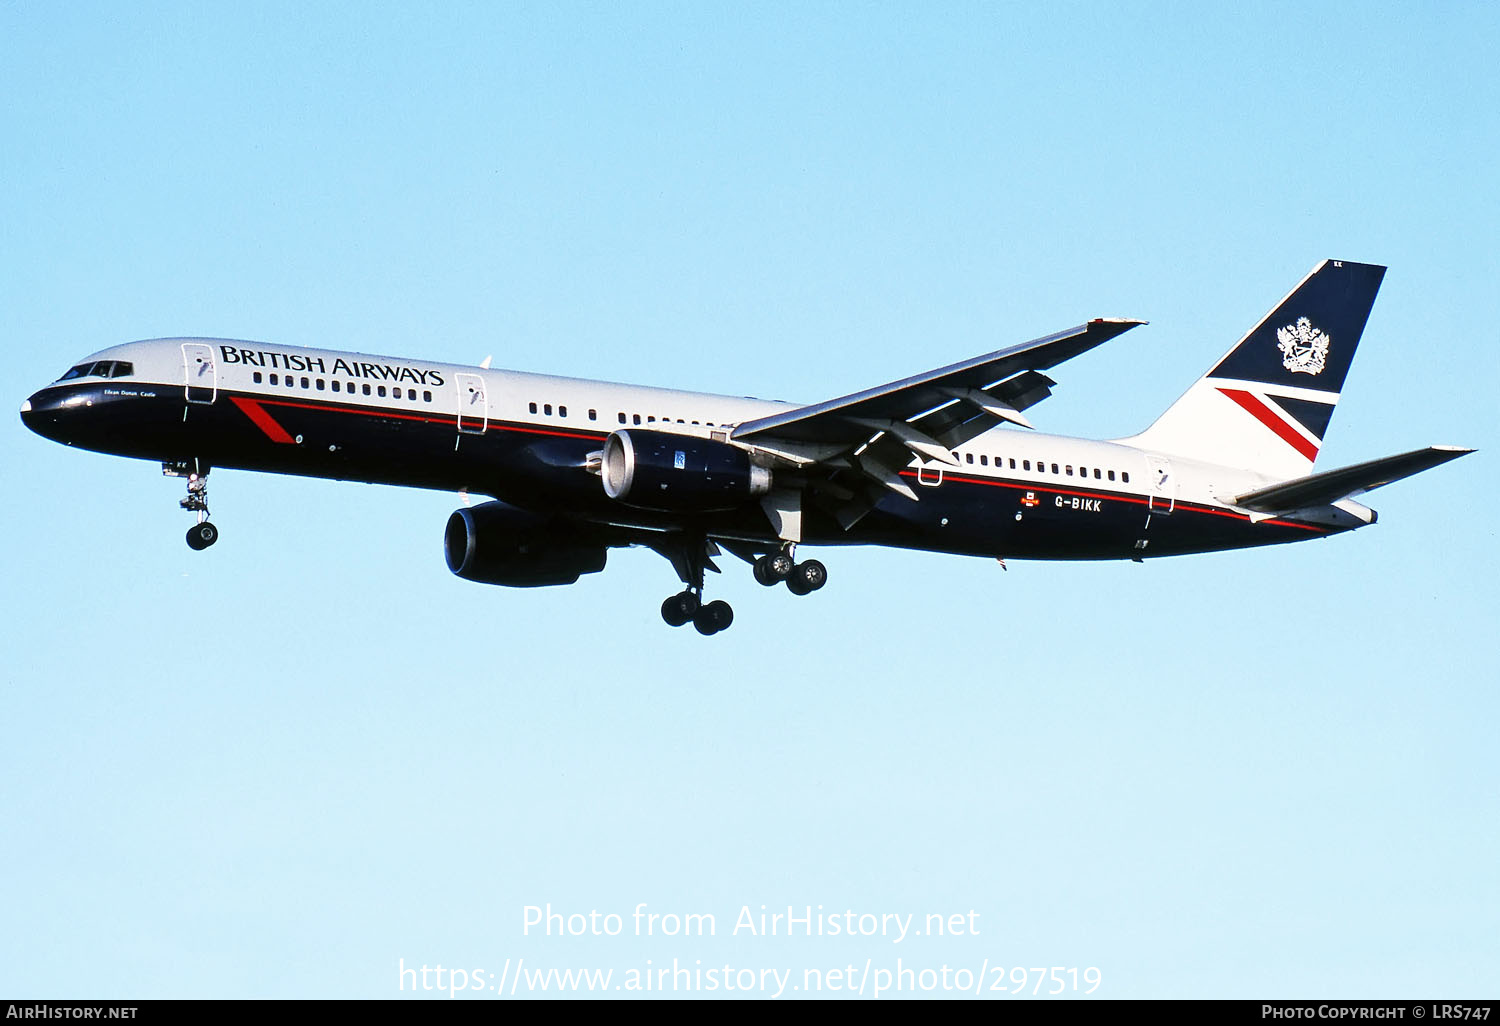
{"type": "Point", "coordinates": [100, 369]}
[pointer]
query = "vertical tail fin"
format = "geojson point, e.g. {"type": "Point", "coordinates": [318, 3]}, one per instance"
{"type": "Point", "coordinates": [1266, 405]}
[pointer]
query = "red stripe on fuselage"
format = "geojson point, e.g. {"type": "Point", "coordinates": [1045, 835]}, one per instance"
{"type": "Point", "coordinates": [1268, 417]}
{"type": "Point", "coordinates": [263, 420]}
{"type": "Point", "coordinates": [252, 409]}
{"type": "Point", "coordinates": [1137, 500]}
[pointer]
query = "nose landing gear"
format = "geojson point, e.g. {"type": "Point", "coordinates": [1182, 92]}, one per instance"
{"type": "Point", "coordinates": [202, 534]}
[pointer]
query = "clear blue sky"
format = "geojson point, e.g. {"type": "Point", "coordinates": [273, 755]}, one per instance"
{"type": "Point", "coordinates": [279, 766]}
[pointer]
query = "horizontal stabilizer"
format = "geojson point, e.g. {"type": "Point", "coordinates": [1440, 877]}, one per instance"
{"type": "Point", "coordinates": [1346, 482]}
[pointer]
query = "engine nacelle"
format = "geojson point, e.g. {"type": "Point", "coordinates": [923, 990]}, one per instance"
{"type": "Point", "coordinates": [659, 470]}
{"type": "Point", "coordinates": [494, 543]}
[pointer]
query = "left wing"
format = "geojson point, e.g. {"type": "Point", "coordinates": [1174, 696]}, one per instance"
{"type": "Point", "coordinates": [876, 432]}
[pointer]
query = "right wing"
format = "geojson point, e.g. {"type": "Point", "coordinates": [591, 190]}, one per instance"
{"type": "Point", "coordinates": [852, 448]}
{"type": "Point", "coordinates": [992, 383]}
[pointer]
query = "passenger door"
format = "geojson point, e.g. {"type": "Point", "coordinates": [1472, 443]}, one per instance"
{"type": "Point", "coordinates": [202, 382]}
{"type": "Point", "coordinates": [473, 404]}
{"type": "Point", "coordinates": [1162, 483]}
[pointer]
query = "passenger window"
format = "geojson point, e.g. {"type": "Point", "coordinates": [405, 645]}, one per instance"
{"type": "Point", "coordinates": [304, 383]}
{"type": "Point", "coordinates": [1012, 464]}
{"type": "Point", "coordinates": [380, 391]}
{"type": "Point", "coordinates": [411, 393]}
{"type": "Point", "coordinates": [622, 418]}
{"type": "Point", "coordinates": [255, 377]}
{"type": "Point", "coordinates": [562, 411]}
{"type": "Point", "coordinates": [532, 407]}
{"type": "Point", "coordinates": [968, 457]}
{"type": "Point", "coordinates": [335, 386]}
{"type": "Point", "coordinates": [1096, 473]}
{"type": "Point", "coordinates": [984, 461]}
{"type": "Point", "coordinates": [366, 389]}
{"type": "Point", "coordinates": [593, 415]}
{"type": "Point", "coordinates": [427, 397]}
{"type": "Point", "coordinates": [275, 380]}
{"type": "Point", "coordinates": [1054, 468]}
{"type": "Point", "coordinates": [1069, 469]}
{"type": "Point", "coordinates": [547, 409]}
{"type": "Point", "coordinates": [635, 418]}
{"type": "Point", "coordinates": [1111, 475]}
{"type": "Point", "coordinates": [1125, 476]}
{"type": "Point", "coordinates": [1025, 464]}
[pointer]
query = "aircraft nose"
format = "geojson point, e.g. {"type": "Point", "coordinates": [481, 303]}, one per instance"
{"type": "Point", "coordinates": [39, 413]}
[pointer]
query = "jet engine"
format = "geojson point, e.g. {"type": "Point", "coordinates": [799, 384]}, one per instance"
{"type": "Point", "coordinates": [658, 470]}
{"type": "Point", "coordinates": [495, 543]}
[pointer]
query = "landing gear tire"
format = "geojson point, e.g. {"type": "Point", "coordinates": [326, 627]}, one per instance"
{"type": "Point", "coordinates": [713, 618]}
{"type": "Point", "coordinates": [680, 608]}
{"type": "Point", "coordinates": [774, 568]}
{"type": "Point", "coordinates": [201, 536]}
{"type": "Point", "coordinates": [807, 578]}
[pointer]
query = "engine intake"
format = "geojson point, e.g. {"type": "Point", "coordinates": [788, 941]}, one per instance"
{"type": "Point", "coordinates": [673, 473]}
{"type": "Point", "coordinates": [494, 543]}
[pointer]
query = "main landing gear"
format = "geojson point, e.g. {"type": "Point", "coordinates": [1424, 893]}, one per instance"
{"type": "Point", "coordinates": [690, 557]}
{"type": "Point", "coordinates": [202, 534]}
{"type": "Point", "coordinates": [707, 618]}
{"type": "Point", "coordinates": [801, 578]}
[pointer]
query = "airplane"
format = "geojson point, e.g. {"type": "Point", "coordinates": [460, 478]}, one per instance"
{"type": "Point", "coordinates": [944, 461]}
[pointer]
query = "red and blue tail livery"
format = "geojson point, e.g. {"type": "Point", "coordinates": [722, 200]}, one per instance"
{"type": "Point", "coordinates": [947, 460]}
{"type": "Point", "coordinates": [1267, 404]}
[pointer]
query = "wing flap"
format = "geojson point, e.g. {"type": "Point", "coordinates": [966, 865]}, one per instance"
{"type": "Point", "coordinates": [1346, 482]}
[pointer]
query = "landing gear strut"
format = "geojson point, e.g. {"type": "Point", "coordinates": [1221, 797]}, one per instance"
{"type": "Point", "coordinates": [801, 578]}
{"type": "Point", "coordinates": [202, 534]}
{"type": "Point", "coordinates": [691, 556]}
